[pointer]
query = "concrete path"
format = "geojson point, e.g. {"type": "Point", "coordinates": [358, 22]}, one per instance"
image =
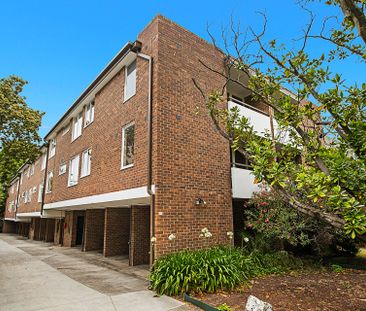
{"type": "Point", "coordinates": [34, 276]}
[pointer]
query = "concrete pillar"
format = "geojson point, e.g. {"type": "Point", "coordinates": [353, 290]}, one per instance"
{"type": "Point", "coordinates": [140, 235]}
{"type": "Point", "coordinates": [93, 230]}
{"type": "Point", "coordinates": [116, 231]}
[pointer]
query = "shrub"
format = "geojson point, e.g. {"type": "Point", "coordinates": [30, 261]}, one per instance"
{"type": "Point", "coordinates": [277, 225]}
{"type": "Point", "coordinates": [213, 269]}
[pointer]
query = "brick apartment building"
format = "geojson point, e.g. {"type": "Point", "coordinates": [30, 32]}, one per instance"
{"type": "Point", "coordinates": [131, 160]}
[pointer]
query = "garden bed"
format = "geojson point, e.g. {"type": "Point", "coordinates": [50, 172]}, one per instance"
{"type": "Point", "coordinates": [312, 290]}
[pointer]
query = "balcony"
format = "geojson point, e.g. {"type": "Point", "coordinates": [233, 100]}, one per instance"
{"type": "Point", "coordinates": [259, 120]}
{"type": "Point", "coordinates": [242, 183]}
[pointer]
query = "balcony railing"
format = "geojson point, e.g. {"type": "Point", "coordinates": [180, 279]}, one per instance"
{"type": "Point", "coordinates": [259, 120]}
{"type": "Point", "coordinates": [243, 183]}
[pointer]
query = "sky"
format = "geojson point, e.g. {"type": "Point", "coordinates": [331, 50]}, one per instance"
{"type": "Point", "coordinates": [59, 47]}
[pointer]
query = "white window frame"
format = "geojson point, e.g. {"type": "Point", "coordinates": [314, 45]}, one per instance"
{"type": "Point", "coordinates": [65, 130]}
{"type": "Point", "coordinates": [30, 192]}
{"type": "Point", "coordinates": [77, 126]}
{"type": "Point", "coordinates": [40, 193]}
{"type": "Point", "coordinates": [130, 78]}
{"type": "Point", "coordinates": [47, 182]}
{"type": "Point", "coordinates": [62, 169]}
{"type": "Point", "coordinates": [43, 161]}
{"type": "Point", "coordinates": [123, 146]}
{"type": "Point", "coordinates": [89, 114]}
{"type": "Point", "coordinates": [32, 170]}
{"type": "Point", "coordinates": [52, 151]}
{"type": "Point", "coordinates": [71, 182]}
{"type": "Point", "coordinates": [12, 188]}
{"type": "Point", "coordinates": [85, 163]}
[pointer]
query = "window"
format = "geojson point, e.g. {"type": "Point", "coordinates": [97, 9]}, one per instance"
{"type": "Point", "coordinates": [32, 170]}
{"type": "Point", "coordinates": [30, 192]}
{"type": "Point", "coordinates": [34, 189]}
{"type": "Point", "coordinates": [12, 189]}
{"type": "Point", "coordinates": [85, 163]}
{"type": "Point", "coordinates": [49, 182]}
{"type": "Point", "coordinates": [128, 145]}
{"type": "Point", "coordinates": [40, 192]}
{"type": "Point", "coordinates": [89, 114]}
{"type": "Point", "coordinates": [43, 163]}
{"type": "Point", "coordinates": [65, 130]}
{"type": "Point", "coordinates": [239, 160]}
{"type": "Point", "coordinates": [74, 171]}
{"type": "Point", "coordinates": [21, 178]}
{"type": "Point", "coordinates": [77, 125]}
{"type": "Point", "coordinates": [52, 148]}
{"type": "Point", "coordinates": [130, 81]}
{"type": "Point", "coordinates": [62, 169]}
{"type": "Point", "coordinates": [28, 172]}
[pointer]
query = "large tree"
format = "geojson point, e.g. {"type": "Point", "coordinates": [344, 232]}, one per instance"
{"type": "Point", "coordinates": [324, 116]}
{"type": "Point", "coordinates": [19, 138]}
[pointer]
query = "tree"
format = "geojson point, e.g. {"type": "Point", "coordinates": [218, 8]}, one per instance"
{"type": "Point", "coordinates": [324, 117]}
{"type": "Point", "coordinates": [19, 138]}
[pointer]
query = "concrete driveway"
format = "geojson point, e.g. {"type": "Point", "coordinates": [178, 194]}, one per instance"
{"type": "Point", "coordinates": [37, 276]}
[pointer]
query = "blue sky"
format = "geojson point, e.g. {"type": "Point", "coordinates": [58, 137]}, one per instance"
{"type": "Point", "coordinates": [60, 46]}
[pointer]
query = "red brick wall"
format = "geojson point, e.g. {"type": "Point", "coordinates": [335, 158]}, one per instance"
{"type": "Point", "coordinates": [70, 224]}
{"type": "Point", "coordinates": [35, 229]}
{"type": "Point", "coordinates": [59, 228]}
{"type": "Point", "coordinates": [116, 231]}
{"type": "Point", "coordinates": [50, 230]}
{"type": "Point", "coordinates": [9, 226]}
{"type": "Point", "coordinates": [104, 137]}
{"type": "Point", "coordinates": [11, 197]}
{"type": "Point", "coordinates": [140, 235]}
{"type": "Point", "coordinates": [94, 230]}
{"type": "Point", "coordinates": [190, 158]}
{"type": "Point", "coordinates": [32, 182]}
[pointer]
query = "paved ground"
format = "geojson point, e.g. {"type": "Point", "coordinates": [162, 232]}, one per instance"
{"type": "Point", "coordinates": [38, 276]}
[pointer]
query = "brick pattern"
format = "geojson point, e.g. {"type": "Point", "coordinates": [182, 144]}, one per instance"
{"type": "Point", "coordinates": [9, 226]}
{"type": "Point", "coordinates": [69, 230]}
{"type": "Point", "coordinates": [58, 233]}
{"type": "Point", "coordinates": [11, 197]}
{"type": "Point", "coordinates": [31, 184]}
{"type": "Point", "coordinates": [140, 235]}
{"type": "Point", "coordinates": [94, 230]}
{"type": "Point", "coordinates": [50, 230]}
{"type": "Point", "coordinates": [116, 231]}
{"type": "Point", "coordinates": [190, 158]}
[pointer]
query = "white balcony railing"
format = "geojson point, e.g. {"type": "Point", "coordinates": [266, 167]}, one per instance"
{"type": "Point", "coordinates": [259, 120]}
{"type": "Point", "coordinates": [242, 183]}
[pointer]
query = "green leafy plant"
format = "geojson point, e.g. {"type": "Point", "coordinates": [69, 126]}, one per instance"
{"type": "Point", "coordinates": [224, 307]}
{"type": "Point", "coordinates": [336, 268]}
{"type": "Point", "coordinates": [216, 268]}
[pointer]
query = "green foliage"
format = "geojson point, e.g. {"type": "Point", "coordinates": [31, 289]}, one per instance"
{"type": "Point", "coordinates": [336, 268]}
{"type": "Point", "coordinates": [19, 124]}
{"type": "Point", "coordinates": [321, 170]}
{"type": "Point", "coordinates": [224, 307]}
{"type": "Point", "coordinates": [277, 225]}
{"type": "Point", "coordinates": [216, 268]}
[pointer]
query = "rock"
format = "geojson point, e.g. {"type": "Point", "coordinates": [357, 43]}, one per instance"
{"type": "Point", "coordinates": [255, 304]}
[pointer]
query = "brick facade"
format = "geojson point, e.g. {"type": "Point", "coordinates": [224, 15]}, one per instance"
{"type": "Point", "coordinates": [94, 230]}
{"type": "Point", "coordinates": [190, 159]}
{"type": "Point", "coordinates": [116, 231]}
{"type": "Point", "coordinates": [140, 235]}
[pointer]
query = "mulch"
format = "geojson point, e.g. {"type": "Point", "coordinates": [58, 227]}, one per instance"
{"type": "Point", "coordinates": [310, 290]}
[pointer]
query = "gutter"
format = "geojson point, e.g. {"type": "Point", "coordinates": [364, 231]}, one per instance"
{"type": "Point", "coordinates": [137, 48]}
{"type": "Point", "coordinates": [120, 55]}
{"type": "Point", "coordinates": [45, 178]}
